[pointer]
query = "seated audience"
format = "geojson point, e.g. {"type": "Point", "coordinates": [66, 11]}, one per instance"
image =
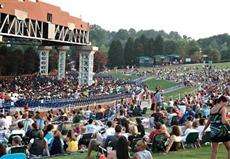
{"type": "Point", "coordinates": [175, 137]}
{"type": "Point", "coordinates": [141, 152]}
{"type": "Point", "coordinates": [57, 144]}
{"type": "Point", "coordinates": [121, 150]}
{"type": "Point", "coordinates": [38, 145]}
{"type": "Point", "coordinates": [2, 149]}
{"type": "Point", "coordinates": [72, 144]}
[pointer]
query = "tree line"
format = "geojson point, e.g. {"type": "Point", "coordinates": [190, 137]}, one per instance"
{"type": "Point", "coordinates": [119, 48]}
{"type": "Point", "coordinates": [143, 46]}
{"type": "Point", "coordinates": [21, 59]}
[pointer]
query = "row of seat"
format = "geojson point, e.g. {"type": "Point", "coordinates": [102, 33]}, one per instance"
{"type": "Point", "coordinates": [192, 140]}
{"type": "Point", "coordinates": [63, 102]}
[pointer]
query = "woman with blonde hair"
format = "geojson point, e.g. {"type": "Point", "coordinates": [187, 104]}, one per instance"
{"type": "Point", "coordinates": [141, 152]}
{"type": "Point", "coordinates": [71, 142]}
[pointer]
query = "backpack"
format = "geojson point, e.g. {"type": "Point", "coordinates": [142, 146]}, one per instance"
{"type": "Point", "coordinates": [56, 147]}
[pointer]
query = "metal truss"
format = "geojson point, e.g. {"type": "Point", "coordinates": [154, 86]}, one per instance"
{"type": "Point", "coordinates": [11, 26]}
{"type": "Point", "coordinates": [73, 36]}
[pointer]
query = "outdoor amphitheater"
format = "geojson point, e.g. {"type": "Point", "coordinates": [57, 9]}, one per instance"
{"type": "Point", "coordinates": [171, 109]}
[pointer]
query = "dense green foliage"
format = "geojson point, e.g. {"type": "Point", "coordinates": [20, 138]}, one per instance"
{"type": "Point", "coordinates": [18, 60]}
{"type": "Point", "coordinates": [151, 42]}
{"type": "Point", "coordinates": [129, 44]}
{"type": "Point", "coordinates": [115, 54]}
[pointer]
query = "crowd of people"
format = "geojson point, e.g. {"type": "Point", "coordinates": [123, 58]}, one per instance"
{"type": "Point", "coordinates": [115, 129]}
{"type": "Point", "coordinates": [35, 87]}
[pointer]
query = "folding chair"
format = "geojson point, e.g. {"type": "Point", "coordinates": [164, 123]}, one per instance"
{"type": "Point", "coordinates": [192, 139]}
{"type": "Point", "coordinates": [144, 110]}
{"type": "Point", "coordinates": [12, 136]}
{"type": "Point", "coordinates": [85, 139]}
{"type": "Point", "coordinates": [21, 149]}
{"type": "Point", "coordinates": [206, 137]}
{"type": "Point", "coordinates": [158, 143]}
{"type": "Point", "coordinates": [14, 156]}
{"type": "Point", "coordinates": [163, 120]}
{"type": "Point", "coordinates": [174, 120]}
{"type": "Point", "coordinates": [134, 142]}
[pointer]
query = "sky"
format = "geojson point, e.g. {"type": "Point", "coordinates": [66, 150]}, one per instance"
{"type": "Point", "coordinates": [194, 18]}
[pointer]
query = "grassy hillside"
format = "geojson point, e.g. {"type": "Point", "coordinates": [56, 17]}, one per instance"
{"type": "Point", "coordinates": [153, 83]}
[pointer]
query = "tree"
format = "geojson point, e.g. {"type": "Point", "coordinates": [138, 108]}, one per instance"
{"type": "Point", "coordinates": [144, 42]}
{"type": "Point", "coordinates": [151, 46]}
{"type": "Point", "coordinates": [214, 55]}
{"type": "Point", "coordinates": [181, 47]}
{"type": "Point", "coordinates": [132, 33]}
{"type": "Point", "coordinates": [31, 60]}
{"type": "Point", "coordinates": [100, 60]}
{"type": "Point", "coordinates": [170, 47]}
{"type": "Point", "coordinates": [225, 54]}
{"type": "Point", "coordinates": [53, 60]}
{"type": "Point", "coordinates": [175, 35]}
{"type": "Point", "coordinates": [115, 54]}
{"type": "Point", "coordinates": [100, 37]}
{"type": "Point", "coordinates": [128, 52]}
{"type": "Point", "coordinates": [122, 35]}
{"type": "Point", "coordinates": [196, 57]}
{"type": "Point", "coordinates": [158, 45]}
{"type": "Point", "coordinates": [192, 47]}
{"type": "Point", "coordinates": [16, 61]}
{"type": "Point", "coordinates": [138, 48]}
{"type": "Point", "coordinates": [3, 59]}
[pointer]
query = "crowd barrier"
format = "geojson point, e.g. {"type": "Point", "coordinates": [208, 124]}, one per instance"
{"type": "Point", "coordinates": [59, 103]}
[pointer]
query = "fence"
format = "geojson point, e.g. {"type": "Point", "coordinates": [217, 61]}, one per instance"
{"type": "Point", "coordinates": [61, 103]}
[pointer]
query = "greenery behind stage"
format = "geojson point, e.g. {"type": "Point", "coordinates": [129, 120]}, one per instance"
{"type": "Point", "coordinates": [117, 49]}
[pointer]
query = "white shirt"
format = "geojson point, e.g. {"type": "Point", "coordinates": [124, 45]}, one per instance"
{"type": "Point", "coordinates": [182, 109]}
{"type": "Point", "coordinates": [3, 123]}
{"type": "Point", "coordinates": [8, 121]}
{"type": "Point", "coordinates": [90, 128]}
{"type": "Point", "coordinates": [18, 132]}
{"type": "Point", "coordinates": [171, 103]}
{"type": "Point", "coordinates": [200, 130]}
{"type": "Point", "coordinates": [144, 154]}
{"type": "Point", "coordinates": [110, 131]}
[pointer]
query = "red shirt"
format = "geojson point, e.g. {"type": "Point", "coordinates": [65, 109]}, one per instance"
{"type": "Point", "coordinates": [153, 133]}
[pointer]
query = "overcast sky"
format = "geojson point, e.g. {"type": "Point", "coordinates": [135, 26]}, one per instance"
{"type": "Point", "coordinates": [194, 18]}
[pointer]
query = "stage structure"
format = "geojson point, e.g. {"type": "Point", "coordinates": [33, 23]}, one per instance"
{"type": "Point", "coordinates": [35, 21]}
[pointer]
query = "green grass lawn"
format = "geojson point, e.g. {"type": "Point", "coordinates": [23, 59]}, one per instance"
{"type": "Point", "coordinates": [120, 75]}
{"type": "Point", "coordinates": [219, 65]}
{"type": "Point", "coordinates": [188, 153]}
{"type": "Point", "coordinates": [222, 65]}
{"type": "Point", "coordinates": [180, 93]}
{"type": "Point", "coordinates": [153, 83]}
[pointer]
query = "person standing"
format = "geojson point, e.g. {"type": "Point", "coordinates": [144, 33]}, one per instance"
{"type": "Point", "coordinates": [219, 126]}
